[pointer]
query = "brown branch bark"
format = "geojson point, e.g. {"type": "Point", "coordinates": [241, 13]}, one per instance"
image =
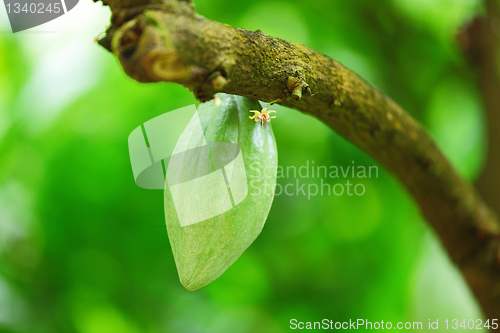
{"type": "Point", "coordinates": [168, 41]}
{"type": "Point", "coordinates": [481, 43]}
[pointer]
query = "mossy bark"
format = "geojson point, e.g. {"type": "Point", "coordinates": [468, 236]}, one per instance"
{"type": "Point", "coordinates": [168, 41]}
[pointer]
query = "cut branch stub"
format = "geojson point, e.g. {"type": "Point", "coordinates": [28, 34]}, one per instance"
{"type": "Point", "coordinates": [297, 87]}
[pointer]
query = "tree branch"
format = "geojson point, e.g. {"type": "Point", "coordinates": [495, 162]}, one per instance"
{"type": "Point", "coordinates": [168, 41]}
{"type": "Point", "coordinates": [481, 44]}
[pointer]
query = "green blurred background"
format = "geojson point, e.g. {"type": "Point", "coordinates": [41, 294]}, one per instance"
{"type": "Point", "coordinates": [83, 249]}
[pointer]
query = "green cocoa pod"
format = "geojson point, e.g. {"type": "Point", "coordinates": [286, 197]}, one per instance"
{"type": "Point", "coordinates": [219, 188]}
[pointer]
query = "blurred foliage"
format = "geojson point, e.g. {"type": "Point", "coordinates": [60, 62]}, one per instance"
{"type": "Point", "coordinates": [83, 249]}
